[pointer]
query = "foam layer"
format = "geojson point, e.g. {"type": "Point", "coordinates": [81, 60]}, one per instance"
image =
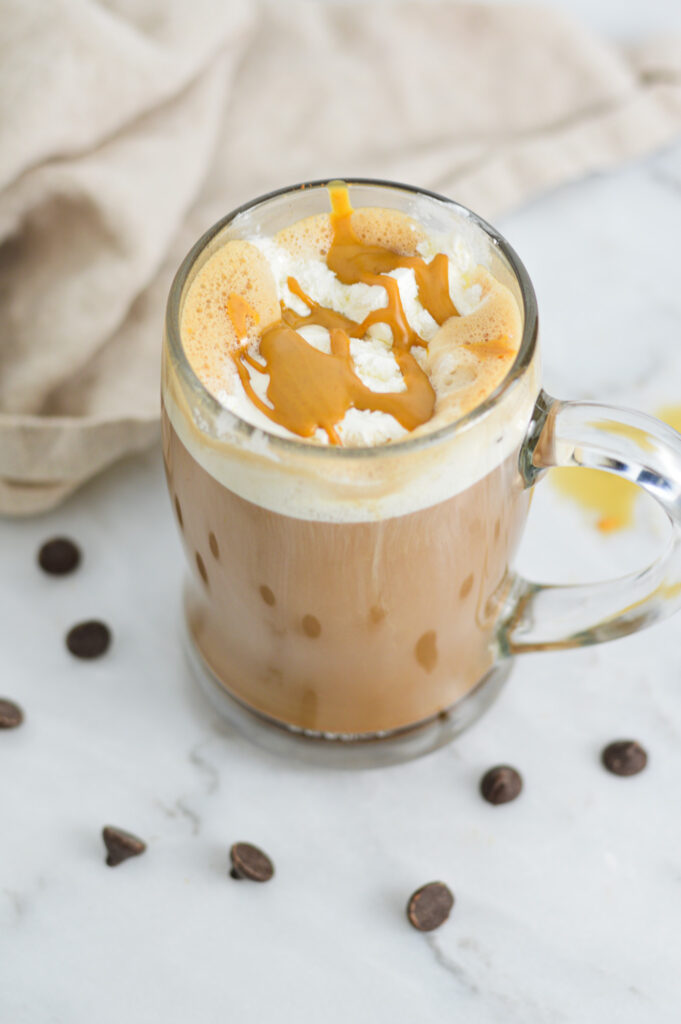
{"type": "Point", "coordinates": [312, 481]}
{"type": "Point", "coordinates": [465, 358]}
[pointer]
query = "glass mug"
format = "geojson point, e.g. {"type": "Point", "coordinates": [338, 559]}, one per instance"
{"type": "Point", "coordinates": [357, 605]}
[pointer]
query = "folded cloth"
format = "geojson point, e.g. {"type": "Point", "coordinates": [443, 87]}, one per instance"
{"type": "Point", "coordinates": [129, 126]}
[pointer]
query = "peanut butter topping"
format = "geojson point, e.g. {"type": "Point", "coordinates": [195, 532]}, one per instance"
{"type": "Point", "coordinates": [309, 389]}
{"type": "Point", "coordinates": [352, 262]}
{"type": "Point", "coordinates": [437, 359]}
{"type": "Point", "coordinates": [238, 311]}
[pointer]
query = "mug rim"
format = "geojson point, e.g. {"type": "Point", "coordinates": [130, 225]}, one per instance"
{"type": "Point", "coordinates": [303, 447]}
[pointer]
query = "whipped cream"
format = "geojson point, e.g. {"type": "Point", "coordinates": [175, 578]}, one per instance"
{"type": "Point", "coordinates": [373, 360]}
{"type": "Point", "coordinates": [355, 484]}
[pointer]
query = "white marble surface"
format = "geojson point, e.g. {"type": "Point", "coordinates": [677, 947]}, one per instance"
{"type": "Point", "coordinates": [568, 901]}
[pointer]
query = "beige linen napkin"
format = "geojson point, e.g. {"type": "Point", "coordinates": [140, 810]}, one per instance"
{"type": "Point", "coordinates": [127, 127]}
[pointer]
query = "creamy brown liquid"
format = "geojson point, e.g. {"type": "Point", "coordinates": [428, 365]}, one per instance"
{"type": "Point", "coordinates": [345, 627]}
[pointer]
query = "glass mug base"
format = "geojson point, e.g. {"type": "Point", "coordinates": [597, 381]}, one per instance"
{"type": "Point", "coordinates": [346, 750]}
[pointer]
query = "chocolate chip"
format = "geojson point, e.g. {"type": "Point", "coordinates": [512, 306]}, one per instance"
{"type": "Point", "coordinates": [59, 556]}
{"type": "Point", "coordinates": [501, 784]}
{"type": "Point", "coordinates": [88, 639]}
{"type": "Point", "coordinates": [250, 862]}
{"type": "Point", "coordinates": [624, 757]}
{"type": "Point", "coordinates": [430, 906]}
{"type": "Point", "coordinates": [11, 714]}
{"type": "Point", "coordinates": [121, 845]}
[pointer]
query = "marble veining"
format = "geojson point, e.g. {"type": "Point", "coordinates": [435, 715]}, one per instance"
{"type": "Point", "coordinates": [448, 963]}
{"type": "Point", "coordinates": [187, 806]}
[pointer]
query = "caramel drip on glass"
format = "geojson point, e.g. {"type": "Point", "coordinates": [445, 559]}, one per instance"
{"type": "Point", "coordinates": [309, 389]}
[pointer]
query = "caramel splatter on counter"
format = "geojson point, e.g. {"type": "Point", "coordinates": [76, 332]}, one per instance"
{"type": "Point", "coordinates": [608, 499]}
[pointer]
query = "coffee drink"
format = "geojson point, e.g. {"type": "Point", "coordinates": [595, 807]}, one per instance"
{"type": "Point", "coordinates": [348, 495]}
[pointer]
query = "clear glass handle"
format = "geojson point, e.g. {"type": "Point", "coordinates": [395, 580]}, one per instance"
{"type": "Point", "coordinates": [628, 444]}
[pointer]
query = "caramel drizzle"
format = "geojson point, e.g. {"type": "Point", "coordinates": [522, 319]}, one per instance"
{"type": "Point", "coordinates": [238, 310]}
{"type": "Point", "coordinates": [353, 262]}
{"type": "Point", "coordinates": [309, 389]}
{"type": "Point", "coordinates": [496, 348]}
